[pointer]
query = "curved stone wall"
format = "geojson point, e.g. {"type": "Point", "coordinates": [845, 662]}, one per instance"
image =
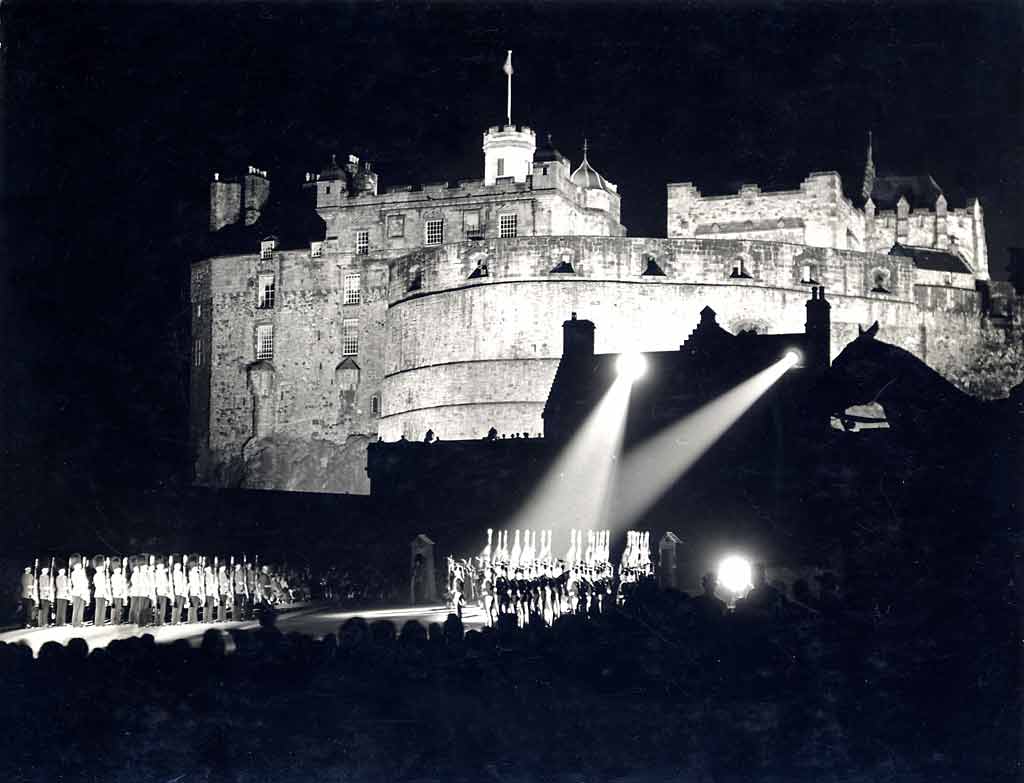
{"type": "Point", "coordinates": [464, 354]}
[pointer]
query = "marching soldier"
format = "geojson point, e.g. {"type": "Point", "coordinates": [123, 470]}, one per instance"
{"type": "Point", "coordinates": [163, 589]}
{"type": "Point", "coordinates": [63, 596]}
{"type": "Point", "coordinates": [195, 592]}
{"type": "Point", "coordinates": [223, 592]}
{"type": "Point", "coordinates": [238, 607]}
{"type": "Point", "coordinates": [45, 596]}
{"type": "Point", "coordinates": [251, 588]}
{"type": "Point", "coordinates": [29, 595]}
{"type": "Point", "coordinates": [210, 588]}
{"type": "Point", "coordinates": [135, 593]}
{"type": "Point", "coordinates": [118, 592]}
{"type": "Point", "coordinates": [79, 594]}
{"type": "Point", "coordinates": [101, 593]}
{"type": "Point", "coordinates": [179, 583]}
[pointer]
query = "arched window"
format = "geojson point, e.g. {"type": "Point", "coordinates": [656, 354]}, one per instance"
{"type": "Point", "coordinates": [880, 281]}
{"type": "Point", "coordinates": [415, 278]}
{"type": "Point", "coordinates": [741, 268]}
{"type": "Point", "coordinates": [809, 273]}
{"type": "Point", "coordinates": [651, 267]}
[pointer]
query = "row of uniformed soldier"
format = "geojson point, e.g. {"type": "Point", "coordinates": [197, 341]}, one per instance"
{"type": "Point", "coordinates": [546, 590]}
{"type": "Point", "coordinates": [148, 586]}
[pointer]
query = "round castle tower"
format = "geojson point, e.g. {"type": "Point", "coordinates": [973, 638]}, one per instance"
{"type": "Point", "coordinates": [508, 152]}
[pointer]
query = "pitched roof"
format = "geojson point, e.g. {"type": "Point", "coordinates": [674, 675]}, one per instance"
{"type": "Point", "coordinates": [929, 258]}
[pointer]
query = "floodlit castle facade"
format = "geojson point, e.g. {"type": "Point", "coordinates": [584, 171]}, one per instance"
{"type": "Point", "coordinates": [369, 314]}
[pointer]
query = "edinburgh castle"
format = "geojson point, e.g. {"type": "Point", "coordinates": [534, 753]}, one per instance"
{"type": "Point", "coordinates": [359, 313]}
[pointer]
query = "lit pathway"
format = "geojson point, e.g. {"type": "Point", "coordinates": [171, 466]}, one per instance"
{"type": "Point", "coordinates": [315, 620]}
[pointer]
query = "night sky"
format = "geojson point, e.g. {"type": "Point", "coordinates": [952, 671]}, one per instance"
{"type": "Point", "coordinates": [116, 116]}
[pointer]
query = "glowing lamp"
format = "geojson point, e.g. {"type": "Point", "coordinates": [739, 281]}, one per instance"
{"type": "Point", "coordinates": [631, 366]}
{"type": "Point", "coordinates": [792, 358]}
{"type": "Point", "coordinates": [734, 574]}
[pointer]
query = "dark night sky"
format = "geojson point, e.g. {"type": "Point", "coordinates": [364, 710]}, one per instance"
{"type": "Point", "coordinates": [116, 115]}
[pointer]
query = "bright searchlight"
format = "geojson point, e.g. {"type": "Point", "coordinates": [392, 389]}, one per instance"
{"type": "Point", "coordinates": [734, 574]}
{"type": "Point", "coordinates": [631, 366]}
{"type": "Point", "coordinates": [792, 358]}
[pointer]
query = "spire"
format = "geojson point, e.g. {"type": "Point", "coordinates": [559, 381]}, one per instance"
{"type": "Point", "coordinates": [585, 149]}
{"type": "Point", "coordinates": [869, 172]}
{"type": "Point", "coordinates": [507, 68]}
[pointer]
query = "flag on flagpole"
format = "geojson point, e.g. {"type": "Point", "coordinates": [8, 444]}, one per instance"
{"type": "Point", "coordinates": [507, 67]}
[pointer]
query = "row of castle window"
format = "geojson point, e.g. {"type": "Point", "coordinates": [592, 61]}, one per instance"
{"type": "Point", "coordinates": [265, 341]}
{"type": "Point", "coordinates": [266, 290]}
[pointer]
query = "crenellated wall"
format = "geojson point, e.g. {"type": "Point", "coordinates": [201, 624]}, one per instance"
{"type": "Point", "coordinates": [816, 214]}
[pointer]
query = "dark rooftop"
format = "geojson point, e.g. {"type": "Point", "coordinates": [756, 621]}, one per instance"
{"type": "Point", "coordinates": [928, 258]}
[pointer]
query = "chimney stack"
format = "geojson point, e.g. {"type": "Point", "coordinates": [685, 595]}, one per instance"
{"type": "Point", "coordinates": [577, 338]}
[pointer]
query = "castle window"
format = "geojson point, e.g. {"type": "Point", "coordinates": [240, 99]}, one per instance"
{"type": "Point", "coordinates": [352, 292]}
{"type": "Point", "coordinates": [362, 242]}
{"type": "Point", "coordinates": [199, 309]}
{"type": "Point", "coordinates": [880, 279]}
{"type": "Point", "coordinates": [545, 171]}
{"type": "Point", "coordinates": [264, 341]}
{"type": "Point", "coordinates": [433, 232]}
{"type": "Point", "coordinates": [266, 292]}
{"type": "Point", "coordinates": [396, 226]}
{"type": "Point", "coordinates": [375, 405]}
{"type": "Point", "coordinates": [740, 268]}
{"type": "Point", "coordinates": [316, 249]}
{"type": "Point", "coordinates": [651, 267]}
{"type": "Point", "coordinates": [508, 226]}
{"type": "Point", "coordinates": [197, 353]}
{"type": "Point", "coordinates": [471, 221]}
{"type": "Point", "coordinates": [350, 337]}
{"type": "Point", "coordinates": [809, 274]}
{"type": "Point", "coordinates": [501, 167]}
{"type": "Point", "coordinates": [415, 278]}
{"type": "Point", "coordinates": [267, 247]}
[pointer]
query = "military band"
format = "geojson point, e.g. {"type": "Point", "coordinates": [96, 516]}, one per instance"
{"type": "Point", "coordinates": [151, 590]}
{"type": "Point", "coordinates": [528, 583]}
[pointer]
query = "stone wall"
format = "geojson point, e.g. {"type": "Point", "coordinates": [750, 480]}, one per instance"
{"type": "Point", "coordinates": [826, 217]}
{"type": "Point", "coordinates": [545, 204]}
{"type": "Point", "coordinates": [496, 356]}
{"type": "Point", "coordinates": [323, 408]}
{"type": "Point", "coordinates": [439, 349]}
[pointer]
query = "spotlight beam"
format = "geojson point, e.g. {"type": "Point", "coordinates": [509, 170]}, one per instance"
{"type": "Point", "coordinates": [647, 471]}
{"type": "Point", "coordinates": [573, 492]}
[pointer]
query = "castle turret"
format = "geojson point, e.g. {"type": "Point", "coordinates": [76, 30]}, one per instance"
{"type": "Point", "coordinates": [508, 152]}
{"type": "Point", "coordinates": [361, 176]}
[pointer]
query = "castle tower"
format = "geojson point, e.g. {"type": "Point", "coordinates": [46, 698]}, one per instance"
{"type": "Point", "coordinates": [508, 152]}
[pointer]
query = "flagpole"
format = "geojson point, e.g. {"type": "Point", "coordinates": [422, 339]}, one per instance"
{"type": "Point", "coordinates": [508, 71]}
